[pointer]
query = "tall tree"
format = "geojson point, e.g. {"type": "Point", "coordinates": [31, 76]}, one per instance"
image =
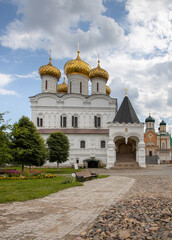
{"type": "Point", "coordinates": [5, 150]}
{"type": "Point", "coordinates": [58, 147]}
{"type": "Point", "coordinates": [29, 147]}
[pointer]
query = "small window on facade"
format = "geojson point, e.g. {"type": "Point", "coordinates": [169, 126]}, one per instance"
{"type": "Point", "coordinates": [77, 161]}
{"type": "Point", "coordinates": [103, 144]}
{"type": "Point", "coordinates": [163, 145]}
{"type": "Point", "coordinates": [74, 121]}
{"type": "Point", "coordinates": [82, 144]}
{"type": "Point", "coordinates": [97, 87]}
{"type": "Point", "coordinates": [150, 153]}
{"type": "Point", "coordinates": [70, 87]}
{"type": "Point", "coordinates": [97, 121]}
{"type": "Point", "coordinates": [63, 121]}
{"type": "Point", "coordinates": [46, 84]}
{"type": "Point", "coordinates": [80, 87]}
{"type": "Point", "coordinates": [39, 122]}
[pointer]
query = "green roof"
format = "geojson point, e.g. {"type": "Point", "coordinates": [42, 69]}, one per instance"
{"type": "Point", "coordinates": [162, 122]}
{"type": "Point", "coordinates": [149, 119]}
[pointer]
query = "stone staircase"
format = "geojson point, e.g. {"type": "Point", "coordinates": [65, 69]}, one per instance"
{"type": "Point", "coordinates": [126, 161]}
{"type": "Point", "coordinates": [126, 165]}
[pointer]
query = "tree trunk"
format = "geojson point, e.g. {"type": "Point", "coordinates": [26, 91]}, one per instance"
{"type": "Point", "coordinates": [22, 167]}
{"type": "Point", "coordinates": [58, 166]}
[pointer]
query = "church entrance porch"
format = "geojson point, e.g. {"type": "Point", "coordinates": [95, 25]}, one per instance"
{"type": "Point", "coordinates": [125, 152]}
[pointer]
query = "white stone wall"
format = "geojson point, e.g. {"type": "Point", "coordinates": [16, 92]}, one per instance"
{"type": "Point", "coordinates": [135, 131]}
{"type": "Point", "coordinates": [92, 147]}
{"type": "Point", "coordinates": [102, 86]}
{"type": "Point", "coordinates": [76, 79]}
{"type": "Point", "coordinates": [51, 106]}
{"type": "Point", "coordinates": [51, 84]}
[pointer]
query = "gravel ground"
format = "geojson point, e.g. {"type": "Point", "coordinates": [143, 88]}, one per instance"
{"type": "Point", "coordinates": [144, 213]}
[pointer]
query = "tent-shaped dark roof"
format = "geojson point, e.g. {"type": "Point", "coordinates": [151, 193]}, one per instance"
{"type": "Point", "coordinates": [126, 113]}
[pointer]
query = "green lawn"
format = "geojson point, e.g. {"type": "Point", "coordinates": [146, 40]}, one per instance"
{"type": "Point", "coordinates": [22, 190]}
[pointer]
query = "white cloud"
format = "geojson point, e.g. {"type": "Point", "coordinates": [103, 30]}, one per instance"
{"type": "Point", "coordinates": [61, 26]}
{"type": "Point", "coordinates": [7, 92]}
{"type": "Point", "coordinates": [137, 60]}
{"type": "Point", "coordinates": [34, 75]}
{"type": "Point", "coordinates": [149, 25]}
{"type": "Point", "coordinates": [5, 80]}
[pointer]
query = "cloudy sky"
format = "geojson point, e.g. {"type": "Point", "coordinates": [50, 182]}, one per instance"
{"type": "Point", "coordinates": [131, 36]}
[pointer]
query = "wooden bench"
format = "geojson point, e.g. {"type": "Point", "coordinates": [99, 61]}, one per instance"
{"type": "Point", "coordinates": [81, 176]}
{"type": "Point", "coordinates": [2, 171]}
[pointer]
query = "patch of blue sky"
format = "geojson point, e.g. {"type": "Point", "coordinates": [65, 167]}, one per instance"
{"type": "Point", "coordinates": [7, 14]}
{"type": "Point", "coordinates": [116, 9]}
{"type": "Point", "coordinates": [83, 25]}
{"type": "Point", "coordinates": [155, 53]}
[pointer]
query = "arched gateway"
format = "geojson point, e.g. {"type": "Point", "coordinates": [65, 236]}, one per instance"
{"type": "Point", "coordinates": [125, 152]}
{"type": "Point", "coordinates": [126, 137]}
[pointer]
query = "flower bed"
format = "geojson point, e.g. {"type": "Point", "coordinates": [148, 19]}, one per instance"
{"type": "Point", "coordinates": [27, 174]}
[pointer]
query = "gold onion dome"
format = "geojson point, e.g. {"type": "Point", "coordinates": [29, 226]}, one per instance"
{"type": "Point", "coordinates": [77, 66]}
{"type": "Point", "coordinates": [62, 88]}
{"type": "Point", "coordinates": [49, 69]}
{"type": "Point", "coordinates": [99, 72]}
{"type": "Point", "coordinates": [108, 90]}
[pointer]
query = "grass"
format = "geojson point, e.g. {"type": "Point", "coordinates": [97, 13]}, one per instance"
{"type": "Point", "coordinates": [22, 190]}
{"type": "Point", "coordinates": [50, 170]}
{"type": "Point", "coordinates": [103, 176]}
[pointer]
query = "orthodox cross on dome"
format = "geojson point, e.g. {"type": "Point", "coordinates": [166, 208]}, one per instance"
{"type": "Point", "coordinates": [99, 59]}
{"type": "Point", "coordinates": [126, 90]}
{"type": "Point", "coordinates": [78, 57]}
{"type": "Point", "coordinates": [50, 57]}
{"type": "Point", "coordinates": [78, 47]}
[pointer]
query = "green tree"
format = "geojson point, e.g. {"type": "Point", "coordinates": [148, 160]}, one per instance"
{"type": "Point", "coordinates": [58, 147]}
{"type": "Point", "coordinates": [28, 146]}
{"type": "Point", "coordinates": [5, 150]}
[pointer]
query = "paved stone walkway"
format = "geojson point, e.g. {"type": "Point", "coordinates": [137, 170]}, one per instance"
{"type": "Point", "coordinates": [63, 214]}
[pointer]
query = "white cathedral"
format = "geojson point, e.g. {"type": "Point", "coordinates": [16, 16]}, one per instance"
{"type": "Point", "coordinates": [99, 133]}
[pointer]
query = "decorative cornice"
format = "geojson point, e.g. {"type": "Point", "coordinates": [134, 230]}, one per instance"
{"type": "Point", "coordinates": [73, 131]}
{"type": "Point", "coordinates": [111, 124]}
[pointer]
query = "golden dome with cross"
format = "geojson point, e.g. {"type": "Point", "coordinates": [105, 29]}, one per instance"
{"type": "Point", "coordinates": [49, 69]}
{"type": "Point", "coordinates": [99, 72]}
{"type": "Point", "coordinates": [77, 66]}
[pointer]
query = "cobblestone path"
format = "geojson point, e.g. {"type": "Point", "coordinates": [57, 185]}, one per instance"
{"type": "Point", "coordinates": [62, 215]}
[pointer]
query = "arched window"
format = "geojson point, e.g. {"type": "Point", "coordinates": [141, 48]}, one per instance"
{"type": "Point", "coordinates": [163, 145]}
{"type": "Point", "coordinates": [80, 87]}
{"type": "Point", "coordinates": [74, 121]}
{"type": "Point", "coordinates": [103, 144]}
{"type": "Point", "coordinates": [39, 122]}
{"type": "Point", "coordinates": [63, 121]}
{"type": "Point", "coordinates": [46, 84]}
{"type": "Point", "coordinates": [97, 121]}
{"type": "Point", "coordinates": [82, 144]}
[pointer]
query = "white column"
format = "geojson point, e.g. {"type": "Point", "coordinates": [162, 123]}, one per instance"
{"type": "Point", "coordinates": [141, 153]}
{"type": "Point", "coordinates": [111, 154]}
